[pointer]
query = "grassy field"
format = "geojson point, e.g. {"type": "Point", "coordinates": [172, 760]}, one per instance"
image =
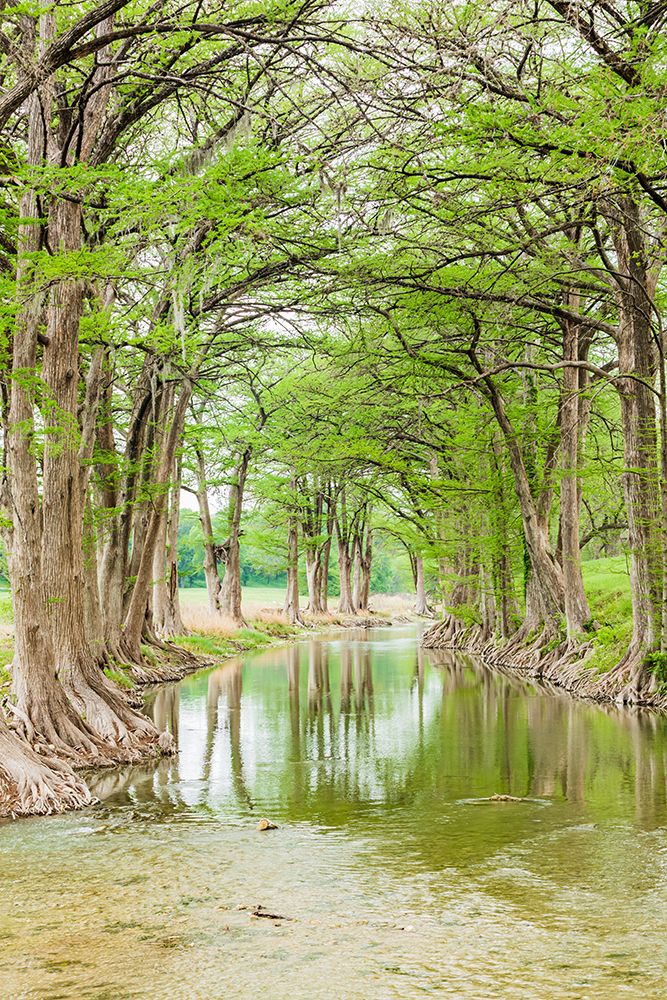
{"type": "Point", "coordinates": [253, 597]}
{"type": "Point", "coordinates": [607, 586]}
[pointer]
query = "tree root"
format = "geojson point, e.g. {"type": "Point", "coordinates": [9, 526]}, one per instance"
{"type": "Point", "coordinates": [561, 663]}
{"type": "Point", "coordinates": [34, 785]}
{"type": "Point", "coordinates": [130, 736]}
{"type": "Point", "coordinates": [628, 682]}
{"type": "Point", "coordinates": [165, 671]}
{"type": "Point", "coordinates": [170, 663]}
{"type": "Point", "coordinates": [51, 725]}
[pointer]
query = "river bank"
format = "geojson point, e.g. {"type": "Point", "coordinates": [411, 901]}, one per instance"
{"type": "Point", "coordinates": [573, 666]}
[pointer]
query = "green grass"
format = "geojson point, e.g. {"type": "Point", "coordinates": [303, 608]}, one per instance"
{"type": "Point", "coordinates": [6, 609]}
{"type": "Point", "coordinates": [120, 677]}
{"type": "Point", "coordinates": [607, 586]}
{"type": "Point", "coordinates": [266, 597]}
{"type": "Point", "coordinates": [221, 645]}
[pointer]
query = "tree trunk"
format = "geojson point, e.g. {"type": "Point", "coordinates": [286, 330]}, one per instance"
{"type": "Point", "coordinates": [136, 612]}
{"type": "Point", "coordinates": [421, 603]}
{"type": "Point", "coordinates": [126, 733]}
{"type": "Point", "coordinates": [94, 620]}
{"type": "Point", "coordinates": [356, 573]}
{"type": "Point", "coordinates": [166, 605]}
{"type": "Point", "coordinates": [41, 702]}
{"type": "Point", "coordinates": [345, 602]}
{"type": "Point", "coordinates": [637, 369]}
{"type": "Point", "coordinates": [314, 580]}
{"type": "Point", "coordinates": [547, 577]}
{"type": "Point", "coordinates": [503, 576]}
{"type": "Point", "coordinates": [577, 611]}
{"type": "Point", "coordinates": [487, 604]}
{"type": "Point", "coordinates": [231, 594]}
{"type": "Point", "coordinates": [174, 621]}
{"type": "Point", "coordinates": [366, 566]}
{"type": "Point", "coordinates": [326, 553]}
{"type": "Point", "coordinates": [292, 595]}
{"type": "Point", "coordinates": [344, 544]}
{"type": "Point", "coordinates": [159, 595]}
{"type": "Point", "coordinates": [211, 574]}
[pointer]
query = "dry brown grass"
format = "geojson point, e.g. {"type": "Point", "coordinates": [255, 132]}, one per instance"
{"type": "Point", "coordinates": [198, 620]}
{"type": "Point", "coordinates": [269, 617]}
{"type": "Point", "coordinates": [392, 604]}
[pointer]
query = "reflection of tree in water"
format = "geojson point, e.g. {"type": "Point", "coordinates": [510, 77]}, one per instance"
{"type": "Point", "coordinates": [147, 783]}
{"type": "Point", "coordinates": [649, 749]}
{"type": "Point", "coordinates": [346, 686]}
{"type": "Point", "coordinates": [569, 748]}
{"type": "Point", "coordinates": [165, 708]}
{"type": "Point", "coordinates": [141, 785]}
{"type": "Point", "coordinates": [448, 729]}
{"type": "Point", "coordinates": [230, 680]}
{"type": "Point", "coordinates": [363, 681]}
{"type": "Point", "coordinates": [293, 677]}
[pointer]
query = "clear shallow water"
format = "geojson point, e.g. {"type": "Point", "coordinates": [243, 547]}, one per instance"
{"type": "Point", "coordinates": [369, 754]}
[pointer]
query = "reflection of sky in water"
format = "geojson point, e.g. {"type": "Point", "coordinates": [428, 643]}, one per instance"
{"type": "Point", "coordinates": [373, 757]}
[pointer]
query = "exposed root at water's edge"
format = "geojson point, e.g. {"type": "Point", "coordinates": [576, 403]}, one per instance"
{"type": "Point", "coordinates": [561, 664]}
{"type": "Point", "coordinates": [167, 663]}
{"type": "Point", "coordinates": [33, 784]}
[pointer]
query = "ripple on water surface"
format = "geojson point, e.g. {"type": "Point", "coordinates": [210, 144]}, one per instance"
{"type": "Point", "coordinates": [392, 874]}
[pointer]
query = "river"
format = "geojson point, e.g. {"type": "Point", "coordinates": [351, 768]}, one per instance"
{"type": "Point", "coordinates": [394, 877]}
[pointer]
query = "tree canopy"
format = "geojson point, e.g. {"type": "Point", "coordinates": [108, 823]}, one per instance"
{"type": "Point", "coordinates": [361, 280]}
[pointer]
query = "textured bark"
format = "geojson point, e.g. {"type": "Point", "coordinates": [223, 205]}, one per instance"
{"type": "Point", "coordinates": [125, 733]}
{"type": "Point", "coordinates": [503, 577]}
{"type": "Point", "coordinates": [317, 528]}
{"type": "Point", "coordinates": [637, 358]}
{"type": "Point", "coordinates": [42, 706]}
{"type": "Point", "coordinates": [487, 604]}
{"type": "Point", "coordinates": [93, 617]}
{"type": "Point", "coordinates": [158, 604]}
{"type": "Point", "coordinates": [421, 601]}
{"type": "Point", "coordinates": [291, 608]}
{"type": "Point", "coordinates": [345, 602]}
{"type": "Point", "coordinates": [546, 575]}
{"type": "Point", "coordinates": [33, 784]}
{"type": "Point", "coordinates": [324, 574]}
{"type": "Point", "coordinates": [314, 580]}
{"type": "Point", "coordinates": [166, 606]}
{"type": "Point", "coordinates": [138, 603]}
{"type": "Point", "coordinates": [120, 478]}
{"type": "Point", "coordinates": [577, 611]}
{"type": "Point", "coordinates": [213, 583]}
{"type": "Point", "coordinates": [344, 541]}
{"type": "Point", "coordinates": [363, 561]}
{"type": "Point", "coordinates": [173, 618]}
{"type": "Point", "coordinates": [231, 594]}
{"type": "Point", "coordinates": [356, 573]}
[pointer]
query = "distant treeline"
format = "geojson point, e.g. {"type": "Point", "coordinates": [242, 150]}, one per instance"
{"type": "Point", "coordinates": [263, 558]}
